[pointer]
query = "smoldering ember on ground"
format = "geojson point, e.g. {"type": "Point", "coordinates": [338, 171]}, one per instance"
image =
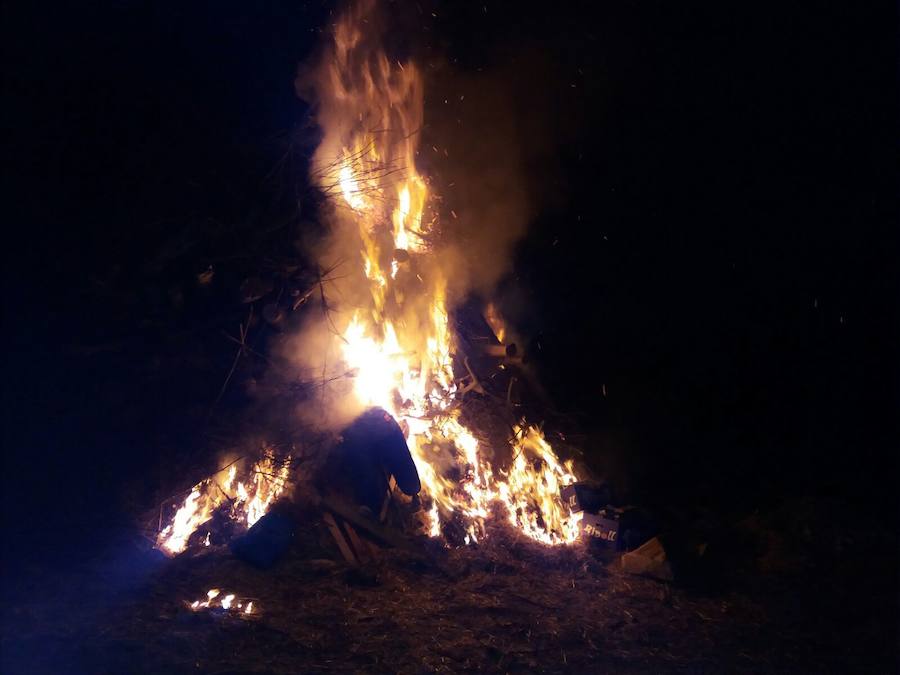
{"type": "Point", "coordinates": [471, 365]}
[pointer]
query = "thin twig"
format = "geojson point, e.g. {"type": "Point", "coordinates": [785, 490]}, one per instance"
{"type": "Point", "coordinates": [237, 357]}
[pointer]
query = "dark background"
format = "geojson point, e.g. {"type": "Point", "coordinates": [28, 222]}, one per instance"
{"type": "Point", "coordinates": [720, 253]}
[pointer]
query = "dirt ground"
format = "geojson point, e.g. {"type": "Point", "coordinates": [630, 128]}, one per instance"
{"type": "Point", "coordinates": [508, 605]}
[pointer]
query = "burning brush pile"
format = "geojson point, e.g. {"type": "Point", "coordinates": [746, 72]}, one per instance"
{"type": "Point", "coordinates": [225, 503]}
{"type": "Point", "coordinates": [383, 339]}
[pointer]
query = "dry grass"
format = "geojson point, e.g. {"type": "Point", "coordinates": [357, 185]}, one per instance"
{"type": "Point", "coordinates": [506, 606]}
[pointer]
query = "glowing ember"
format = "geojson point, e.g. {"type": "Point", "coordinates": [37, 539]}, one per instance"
{"type": "Point", "coordinates": [227, 602]}
{"type": "Point", "coordinates": [398, 341]}
{"type": "Point", "coordinates": [246, 502]}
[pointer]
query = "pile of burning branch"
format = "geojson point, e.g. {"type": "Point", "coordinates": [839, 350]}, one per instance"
{"type": "Point", "coordinates": [224, 503]}
{"type": "Point", "coordinates": [399, 380]}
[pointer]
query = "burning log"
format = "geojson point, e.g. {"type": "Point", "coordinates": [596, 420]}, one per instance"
{"type": "Point", "coordinates": [502, 351]}
{"type": "Point", "coordinates": [493, 319]}
{"type": "Point", "coordinates": [508, 354]}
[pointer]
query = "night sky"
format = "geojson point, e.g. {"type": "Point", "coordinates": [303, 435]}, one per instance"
{"type": "Point", "coordinates": [717, 246]}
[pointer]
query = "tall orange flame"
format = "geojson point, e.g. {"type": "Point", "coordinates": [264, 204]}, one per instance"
{"type": "Point", "coordinates": [399, 342]}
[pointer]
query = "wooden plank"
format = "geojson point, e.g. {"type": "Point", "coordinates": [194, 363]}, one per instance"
{"type": "Point", "coordinates": [381, 534]}
{"type": "Point", "coordinates": [392, 483]}
{"type": "Point", "coordinates": [339, 538]}
{"type": "Point", "coordinates": [358, 547]}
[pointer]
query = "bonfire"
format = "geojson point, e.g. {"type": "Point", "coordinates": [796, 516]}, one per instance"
{"type": "Point", "coordinates": [388, 317]}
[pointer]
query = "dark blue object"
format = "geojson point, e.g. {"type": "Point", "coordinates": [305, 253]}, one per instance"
{"type": "Point", "coordinates": [373, 448]}
{"type": "Point", "coordinates": [265, 542]}
{"type": "Point", "coordinates": [590, 496]}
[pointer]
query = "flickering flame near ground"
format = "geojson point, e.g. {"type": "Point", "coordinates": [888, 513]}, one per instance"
{"type": "Point", "coordinates": [400, 344]}
{"type": "Point", "coordinates": [216, 599]}
{"type": "Point", "coordinates": [246, 500]}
